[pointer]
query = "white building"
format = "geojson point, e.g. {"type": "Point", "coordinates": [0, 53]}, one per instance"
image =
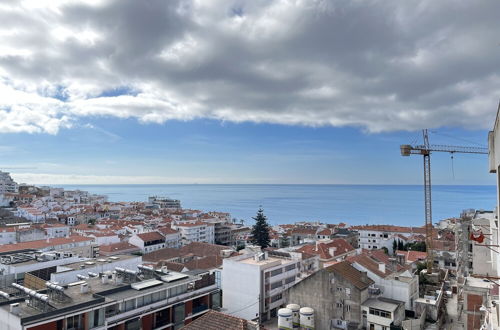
{"type": "Point", "coordinates": [7, 185]}
{"type": "Point", "coordinates": [494, 165]}
{"type": "Point", "coordinates": [253, 284]}
{"type": "Point", "coordinates": [195, 232]}
{"type": "Point", "coordinates": [382, 313]}
{"type": "Point", "coordinates": [148, 242]}
{"type": "Point", "coordinates": [172, 237]}
{"type": "Point", "coordinates": [374, 237]}
{"type": "Point", "coordinates": [393, 281]}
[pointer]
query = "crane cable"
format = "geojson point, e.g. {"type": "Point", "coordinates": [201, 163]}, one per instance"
{"type": "Point", "coordinates": [452, 167]}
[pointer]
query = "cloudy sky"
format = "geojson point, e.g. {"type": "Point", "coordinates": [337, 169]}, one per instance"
{"type": "Point", "coordinates": [284, 91]}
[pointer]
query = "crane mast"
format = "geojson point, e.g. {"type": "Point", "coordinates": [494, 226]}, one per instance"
{"type": "Point", "coordinates": [425, 150]}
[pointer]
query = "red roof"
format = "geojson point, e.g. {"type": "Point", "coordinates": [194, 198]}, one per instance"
{"type": "Point", "coordinates": [323, 249]}
{"type": "Point", "coordinates": [41, 244]}
{"type": "Point", "coordinates": [167, 230]}
{"type": "Point", "coordinates": [117, 247]}
{"type": "Point", "coordinates": [151, 236]}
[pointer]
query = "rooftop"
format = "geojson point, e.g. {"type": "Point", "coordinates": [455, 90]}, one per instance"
{"type": "Point", "coordinates": [385, 304]}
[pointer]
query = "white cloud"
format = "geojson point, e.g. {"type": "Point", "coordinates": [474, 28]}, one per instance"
{"type": "Point", "coordinates": [380, 65]}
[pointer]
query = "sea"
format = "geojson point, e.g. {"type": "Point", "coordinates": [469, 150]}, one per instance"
{"type": "Point", "coordinates": [288, 203]}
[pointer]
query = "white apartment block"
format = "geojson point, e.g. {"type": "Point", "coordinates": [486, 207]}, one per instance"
{"type": "Point", "coordinates": [494, 162]}
{"type": "Point", "coordinates": [375, 237]}
{"type": "Point", "coordinates": [253, 284]}
{"type": "Point", "coordinates": [195, 232]}
{"type": "Point", "coordinates": [7, 185]}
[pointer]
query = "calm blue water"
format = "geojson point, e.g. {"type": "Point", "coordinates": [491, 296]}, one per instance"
{"type": "Point", "coordinates": [354, 204]}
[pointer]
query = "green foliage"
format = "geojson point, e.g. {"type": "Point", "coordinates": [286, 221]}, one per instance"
{"type": "Point", "coordinates": [240, 247]}
{"type": "Point", "coordinates": [284, 241]}
{"type": "Point", "coordinates": [417, 246]}
{"type": "Point", "coordinates": [260, 231]}
{"type": "Point", "coordinates": [394, 246]}
{"type": "Point", "coordinates": [401, 245]}
{"type": "Point", "coordinates": [386, 250]}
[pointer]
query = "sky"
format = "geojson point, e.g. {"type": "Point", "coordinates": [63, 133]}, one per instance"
{"type": "Point", "coordinates": [186, 91]}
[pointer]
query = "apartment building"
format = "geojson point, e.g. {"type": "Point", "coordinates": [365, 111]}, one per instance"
{"type": "Point", "coordinates": [123, 299]}
{"type": "Point", "coordinates": [253, 283]}
{"type": "Point", "coordinates": [392, 280]}
{"type": "Point", "coordinates": [195, 232]}
{"type": "Point", "coordinates": [148, 242]}
{"type": "Point", "coordinates": [383, 314]}
{"type": "Point", "coordinates": [335, 293]}
{"type": "Point", "coordinates": [379, 236]}
{"type": "Point", "coordinates": [172, 237]}
{"type": "Point", "coordinates": [7, 184]}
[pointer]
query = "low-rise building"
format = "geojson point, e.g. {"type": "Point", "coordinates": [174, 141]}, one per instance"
{"type": "Point", "coordinates": [382, 313]}
{"type": "Point", "coordinates": [148, 242]}
{"type": "Point", "coordinates": [336, 294]}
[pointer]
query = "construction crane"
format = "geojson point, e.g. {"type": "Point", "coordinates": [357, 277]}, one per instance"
{"type": "Point", "coordinates": [425, 150]}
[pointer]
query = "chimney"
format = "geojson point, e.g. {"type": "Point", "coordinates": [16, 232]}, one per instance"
{"type": "Point", "coordinates": [84, 288]}
{"type": "Point", "coordinates": [332, 250]}
{"type": "Point", "coordinates": [14, 308]}
{"type": "Point", "coordinates": [317, 246]}
{"type": "Point", "coordinates": [364, 277]}
{"type": "Point", "coordinates": [381, 267]}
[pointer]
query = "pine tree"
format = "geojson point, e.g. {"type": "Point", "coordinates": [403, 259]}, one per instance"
{"type": "Point", "coordinates": [394, 246]}
{"type": "Point", "coordinates": [260, 231]}
{"type": "Point", "coordinates": [400, 245]}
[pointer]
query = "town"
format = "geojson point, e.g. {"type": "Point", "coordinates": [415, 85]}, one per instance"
{"type": "Point", "coordinates": [70, 259]}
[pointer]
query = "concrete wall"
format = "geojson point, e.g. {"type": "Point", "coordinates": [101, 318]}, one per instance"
{"type": "Point", "coordinates": [241, 289]}
{"type": "Point", "coordinates": [318, 292]}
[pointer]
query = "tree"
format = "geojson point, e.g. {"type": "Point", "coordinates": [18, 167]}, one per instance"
{"type": "Point", "coordinates": [260, 231]}
{"type": "Point", "coordinates": [284, 241]}
{"type": "Point", "coordinates": [401, 246]}
{"type": "Point", "coordinates": [394, 246]}
{"type": "Point", "coordinates": [386, 250]}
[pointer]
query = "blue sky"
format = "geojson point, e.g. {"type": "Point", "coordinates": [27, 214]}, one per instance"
{"type": "Point", "coordinates": [244, 91]}
{"type": "Point", "coordinates": [110, 150]}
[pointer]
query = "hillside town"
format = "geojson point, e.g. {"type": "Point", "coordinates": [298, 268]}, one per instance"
{"type": "Point", "coordinates": [70, 259]}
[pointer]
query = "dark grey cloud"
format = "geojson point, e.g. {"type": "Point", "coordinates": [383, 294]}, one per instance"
{"type": "Point", "coordinates": [378, 65]}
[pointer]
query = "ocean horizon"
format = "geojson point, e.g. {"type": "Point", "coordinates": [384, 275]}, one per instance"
{"type": "Point", "coordinates": [331, 203]}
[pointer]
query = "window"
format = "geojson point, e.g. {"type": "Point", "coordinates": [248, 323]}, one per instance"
{"type": "Point", "coordinates": [276, 272]}
{"type": "Point", "coordinates": [140, 302]}
{"type": "Point", "coordinates": [348, 308]}
{"type": "Point", "coordinates": [339, 289]}
{"type": "Point", "coordinates": [276, 285]}
{"type": "Point", "coordinates": [381, 313]}
{"type": "Point", "coordinates": [74, 322]}
{"type": "Point", "coordinates": [276, 297]}
{"type": "Point", "coordinates": [348, 291]}
{"type": "Point", "coordinates": [129, 305]}
{"type": "Point", "coordinates": [179, 311]}
{"type": "Point", "coordinates": [290, 280]}
{"type": "Point", "coordinates": [289, 267]}
{"type": "Point", "coordinates": [339, 305]}
{"type": "Point", "coordinates": [339, 322]}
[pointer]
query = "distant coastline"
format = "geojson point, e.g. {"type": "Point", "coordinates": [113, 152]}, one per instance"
{"type": "Point", "coordinates": [286, 203]}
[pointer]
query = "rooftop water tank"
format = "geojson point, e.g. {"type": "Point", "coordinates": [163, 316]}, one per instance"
{"type": "Point", "coordinates": [284, 319]}
{"type": "Point", "coordinates": [306, 318]}
{"type": "Point", "coordinates": [295, 314]}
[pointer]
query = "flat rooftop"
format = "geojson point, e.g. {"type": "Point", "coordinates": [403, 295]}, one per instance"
{"type": "Point", "coordinates": [383, 304]}
{"type": "Point", "coordinates": [90, 263]}
{"type": "Point", "coordinates": [269, 260]}
{"type": "Point", "coordinates": [478, 283]}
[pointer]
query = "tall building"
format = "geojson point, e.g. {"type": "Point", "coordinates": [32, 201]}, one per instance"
{"type": "Point", "coordinates": [7, 185]}
{"type": "Point", "coordinates": [253, 284]}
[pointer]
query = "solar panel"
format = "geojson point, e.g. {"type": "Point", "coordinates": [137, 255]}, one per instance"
{"type": "Point", "coordinates": [145, 284]}
{"type": "Point", "coordinates": [173, 277]}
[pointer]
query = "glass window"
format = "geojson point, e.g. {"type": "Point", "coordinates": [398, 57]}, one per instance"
{"type": "Point", "coordinates": [276, 285]}
{"type": "Point", "coordinates": [155, 296]}
{"type": "Point", "coordinates": [129, 305]}
{"type": "Point", "coordinates": [276, 272]}
{"type": "Point", "coordinates": [179, 311]}
{"type": "Point", "coordinates": [147, 299]}
{"type": "Point", "coordinates": [140, 301]}
{"type": "Point", "coordinates": [216, 300]}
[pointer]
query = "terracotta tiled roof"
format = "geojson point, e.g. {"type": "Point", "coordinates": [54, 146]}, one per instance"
{"type": "Point", "coordinates": [195, 248]}
{"type": "Point", "coordinates": [41, 244]}
{"type": "Point", "coordinates": [340, 245]}
{"type": "Point", "coordinates": [213, 320]}
{"type": "Point", "coordinates": [351, 274]}
{"type": "Point", "coordinates": [167, 230]}
{"type": "Point", "coordinates": [304, 231]}
{"type": "Point", "coordinates": [151, 236]}
{"type": "Point", "coordinates": [390, 228]}
{"type": "Point", "coordinates": [117, 247]}
{"type": "Point", "coordinates": [325, 232]}
{"type": "Point", "coordinates": [205, 263]}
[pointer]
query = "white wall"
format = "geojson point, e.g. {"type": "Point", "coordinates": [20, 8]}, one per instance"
{"type": "Point", "coordinates": [241, 288]}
